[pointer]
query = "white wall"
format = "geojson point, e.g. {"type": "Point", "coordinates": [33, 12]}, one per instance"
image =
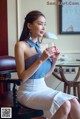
{"type": "Point", "coordinates": [12, 27]}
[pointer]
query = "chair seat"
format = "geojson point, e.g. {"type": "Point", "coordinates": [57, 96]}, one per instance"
{"type": "Point", "coordinates": [25, 112]}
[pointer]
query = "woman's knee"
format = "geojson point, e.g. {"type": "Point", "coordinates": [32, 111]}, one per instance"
{"type": "Point", "coordinates": [66, 107]}
{"type": "Point", "coordinates": [74, 102]}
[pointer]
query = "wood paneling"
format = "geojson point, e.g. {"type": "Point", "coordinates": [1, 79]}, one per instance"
{"type": "Point", "coordinates": [3, 28]}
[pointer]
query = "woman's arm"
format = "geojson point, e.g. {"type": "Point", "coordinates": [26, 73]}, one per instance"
{"type": "Point", "coordinates": [23, 74]}
{"type": "Point", "coordinates": [54, 59]}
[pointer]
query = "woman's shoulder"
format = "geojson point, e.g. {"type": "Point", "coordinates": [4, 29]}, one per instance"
{"type": "Point", "coordinates": [21, 46]}
{"type": "Point", "coordinates": [20, 43]}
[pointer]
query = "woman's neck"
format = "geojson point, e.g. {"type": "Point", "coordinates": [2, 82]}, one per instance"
{"type": "Point", "coordinates": [35, 39]}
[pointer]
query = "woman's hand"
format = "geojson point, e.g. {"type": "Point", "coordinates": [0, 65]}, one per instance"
{"type": "Point", "coordinates": [49, 52]}
{"type": "Point", "coordinates": [56, 54]}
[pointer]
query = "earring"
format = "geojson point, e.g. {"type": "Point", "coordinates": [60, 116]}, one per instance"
{"type": "Point", "coordinates": [30, 35]}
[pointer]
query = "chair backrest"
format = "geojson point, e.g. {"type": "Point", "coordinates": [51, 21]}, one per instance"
{"type": "Point", "coordinates": [7, 64]}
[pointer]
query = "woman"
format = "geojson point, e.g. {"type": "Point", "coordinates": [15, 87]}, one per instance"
{"type": "Point", "coordinates": [33, 65]}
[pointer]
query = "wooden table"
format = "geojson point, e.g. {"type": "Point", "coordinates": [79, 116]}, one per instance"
{"type": "Point", "coordinates": [68, 84]}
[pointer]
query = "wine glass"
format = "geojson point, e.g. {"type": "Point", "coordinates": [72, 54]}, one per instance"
{"type": "Point", "coordinates": [52, 36]}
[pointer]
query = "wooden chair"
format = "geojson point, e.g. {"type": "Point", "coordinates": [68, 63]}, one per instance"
{"type": "Point", "coordinates": [8, 98]}
{"type": "Point", "coordinates": [75, 84]}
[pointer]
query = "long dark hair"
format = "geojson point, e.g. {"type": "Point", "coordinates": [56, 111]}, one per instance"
{"type": "Point", "coordinates": [30, 18]}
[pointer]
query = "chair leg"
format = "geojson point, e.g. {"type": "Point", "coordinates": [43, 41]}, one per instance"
{"type": "Point", "coordinates": [65, 88]}
{"type": "Point", "coordinates": [69, 89]}
{"type": "Point", "coordinates": [78, 90]}
{"type": "Point", "coordinates": [74, 91]}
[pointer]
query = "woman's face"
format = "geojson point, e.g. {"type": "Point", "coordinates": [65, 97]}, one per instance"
{"type": "Point", "coordinates": [38, 27]}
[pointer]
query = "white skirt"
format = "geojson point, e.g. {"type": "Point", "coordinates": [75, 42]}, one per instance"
{"type": "Point", "coordinates": [34, 93]}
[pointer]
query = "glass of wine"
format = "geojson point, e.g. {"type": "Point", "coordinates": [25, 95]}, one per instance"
{"type": "Point", "coordinates": [53, 37]}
